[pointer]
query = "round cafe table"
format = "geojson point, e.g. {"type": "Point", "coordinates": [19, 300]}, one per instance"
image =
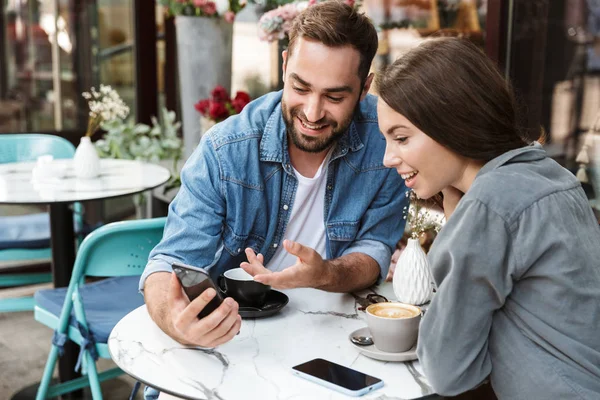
{"type": "Point", "coordinates": [117, 178]}
{"type": "Point", "coordinates": [257, 363]}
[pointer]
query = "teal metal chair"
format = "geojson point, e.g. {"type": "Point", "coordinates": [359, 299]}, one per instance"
{"type": "Point", "coordinates": [27, 237]}
{"type": "Point", "coordinates": [86, 313]}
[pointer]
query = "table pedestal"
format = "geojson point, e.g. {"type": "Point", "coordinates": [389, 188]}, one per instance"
{"type": "Point", "coordinates": [63, 259]}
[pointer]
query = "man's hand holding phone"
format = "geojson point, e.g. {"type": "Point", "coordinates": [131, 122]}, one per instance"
{"type": "Point", "coordinates": [217, 328]}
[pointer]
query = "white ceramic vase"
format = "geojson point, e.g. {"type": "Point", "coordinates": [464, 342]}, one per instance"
{"type": "Point", "coordinates": [412, 277]}
{"type": "Point", "coordinates": [86, 162]}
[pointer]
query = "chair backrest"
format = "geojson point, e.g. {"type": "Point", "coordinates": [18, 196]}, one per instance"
{"type": "Point", "coordinates": [29, 146]}
{"type": "Point", "coordinates": [118, 249]}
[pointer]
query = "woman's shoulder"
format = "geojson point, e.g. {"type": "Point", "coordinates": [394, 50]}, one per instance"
{"type": "Point", "coordinates": [510, 189]}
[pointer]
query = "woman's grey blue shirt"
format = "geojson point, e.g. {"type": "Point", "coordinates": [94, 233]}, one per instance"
{"type": "Point", "coordinates": [518, 299]}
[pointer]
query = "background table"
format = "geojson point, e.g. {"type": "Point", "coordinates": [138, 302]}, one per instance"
{"type": "Point", "coordinates": [257, 363]}
{"type": "Point", "coordinates": [117, 178]}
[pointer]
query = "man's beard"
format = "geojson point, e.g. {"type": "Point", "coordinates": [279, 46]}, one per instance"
{"type": "Point", "coordinates": [312, 144]}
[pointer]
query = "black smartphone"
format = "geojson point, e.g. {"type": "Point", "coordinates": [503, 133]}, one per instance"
{"type": "Point", "coordinates": [194, 281]}
{"type": "Point", "coordinates": [337, 377]}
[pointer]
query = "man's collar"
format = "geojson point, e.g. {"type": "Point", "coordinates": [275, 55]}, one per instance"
{"type": "Point", "coordinates": [274, 145]}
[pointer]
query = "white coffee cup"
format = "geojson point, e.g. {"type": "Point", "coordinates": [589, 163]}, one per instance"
{"type": "Point", "coordinates": [394, 326]}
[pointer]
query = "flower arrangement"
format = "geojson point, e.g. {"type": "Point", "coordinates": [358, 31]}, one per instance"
{"type": "Point", "coordinates": [275, 24]}
{"type": "Point", "coordinates": [226, 9]}
{"type": "Point", "coordinates": [105, 106]}
{"type": "Point", "coordinates": [419, 218]}
{"type": "Point", "coordinates": [220, 106]}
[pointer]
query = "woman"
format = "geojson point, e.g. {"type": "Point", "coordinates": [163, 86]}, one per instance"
{"type": "Point", "coordinates": [517, 262]}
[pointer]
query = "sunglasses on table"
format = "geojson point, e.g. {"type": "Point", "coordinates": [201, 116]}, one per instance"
{"type": "Point", "coordinates": [372, 298]}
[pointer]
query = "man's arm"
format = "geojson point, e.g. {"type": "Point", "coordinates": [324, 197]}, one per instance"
{"type": "Point", "coordinates": [192, 235]}
{"type": "Point", "coordinates": [178, 317]}
{"type": "Point", "coordinates": [348, 273]}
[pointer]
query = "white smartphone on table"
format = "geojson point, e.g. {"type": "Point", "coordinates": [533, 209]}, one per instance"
{"type": "Point", "coordinates": [337, 377]}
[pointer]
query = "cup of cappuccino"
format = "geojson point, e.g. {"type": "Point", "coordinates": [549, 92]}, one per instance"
{"type": "Point", "coordinates": [394, 326]}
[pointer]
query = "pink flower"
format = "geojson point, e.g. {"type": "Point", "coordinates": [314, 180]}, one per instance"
{"type": "Point", "coordinates": [209, 8]}
{"type": "Point", "coordinates": [349, 2]}
{"type": "Point", "coordinates": [229, 16]}
{"type": "Point", "coordinates": [200, 3]}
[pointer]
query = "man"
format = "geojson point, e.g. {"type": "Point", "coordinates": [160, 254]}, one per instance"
{"type": "Point", "coordinates": [293, 189]}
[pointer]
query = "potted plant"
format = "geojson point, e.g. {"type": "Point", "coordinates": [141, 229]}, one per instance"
{"type": "Point", "coordinates": [204, 31]}
{"type": "Point", "coordinates": [105, 106]}
{"type": "Point", "coordinates": [412, 279]}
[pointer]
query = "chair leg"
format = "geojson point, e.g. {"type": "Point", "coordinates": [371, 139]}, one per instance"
{"type": "Point", "coordinates": [92, 374]}
{"type": "Point", "coordinates": [47, 377]}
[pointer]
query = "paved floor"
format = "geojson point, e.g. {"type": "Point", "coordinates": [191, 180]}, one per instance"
{"type": "Point", "coordinates": [24, 346]}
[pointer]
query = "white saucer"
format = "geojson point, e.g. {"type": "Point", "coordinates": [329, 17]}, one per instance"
{"type": "Point", "coordinates": [373, 352]}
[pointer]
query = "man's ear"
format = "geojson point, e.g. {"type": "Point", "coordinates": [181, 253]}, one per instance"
{"type": "Point", "coordinates": [284, 55]}
{"type": "Point", "coordinates": [367, 86]}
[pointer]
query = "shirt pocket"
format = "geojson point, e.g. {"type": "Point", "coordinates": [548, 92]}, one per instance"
{"type": "Point", "coordinates": [343, 231]}
{"type": "Point", "coordinates": [236, 244]}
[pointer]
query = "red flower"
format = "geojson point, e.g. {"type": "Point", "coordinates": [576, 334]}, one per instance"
{"type": "Point", "coordinates": [219, 106]}
{"type": "Point", "coordinates": [217, 111]}
{"type": "Point", "coordinates": [219, 94]}
{"type": "Point", "coordinates": [202, 106]}
{"type": "Point", "coordinates": [240, 101]}
{"type": "Point", "coordinates": [242, 96]}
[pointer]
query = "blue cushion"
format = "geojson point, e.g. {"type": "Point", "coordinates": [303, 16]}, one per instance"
{"type": "Point", "coordinates": [31, 231]}
{"type": "Point", "coordinates": [105, 303]}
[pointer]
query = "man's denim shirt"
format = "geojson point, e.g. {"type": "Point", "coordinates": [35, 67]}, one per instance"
{"type": "Point", "coordinates": [238, 191]}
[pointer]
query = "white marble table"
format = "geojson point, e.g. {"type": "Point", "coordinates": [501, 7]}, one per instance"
{"type": "Point", "coordinates": [117, 178]}
{"type": "Point", "coordinates": [257, 363]}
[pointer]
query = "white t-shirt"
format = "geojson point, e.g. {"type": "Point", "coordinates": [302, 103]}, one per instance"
{"type": "Point", "coordinates": [307, 223]}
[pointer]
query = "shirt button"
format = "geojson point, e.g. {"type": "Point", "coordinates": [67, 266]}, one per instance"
{"type": "Point", "coordinates": [285, 207]}
{"type": "Point", "coordinates": [275, 245]}
{"type": "Point", "coordinates": [329, 187]}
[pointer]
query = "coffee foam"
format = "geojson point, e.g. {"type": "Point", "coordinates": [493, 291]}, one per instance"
{"type": "Point", "coordinates": [393, 310]}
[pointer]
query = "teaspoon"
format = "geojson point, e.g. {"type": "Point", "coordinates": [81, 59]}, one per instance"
{"type": "Point", "coordinates": [362, 340]}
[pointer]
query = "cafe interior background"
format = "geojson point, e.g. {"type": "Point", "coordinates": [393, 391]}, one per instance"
{"type": "Point", "coordinates": [51, 51]}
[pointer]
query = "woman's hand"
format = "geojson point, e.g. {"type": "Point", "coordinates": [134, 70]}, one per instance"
{"type": "Point", "coordinates": [451, 198]}
{"type": "Point", "coordinates": [395, 257]}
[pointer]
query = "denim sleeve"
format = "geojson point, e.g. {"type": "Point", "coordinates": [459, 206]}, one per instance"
{"type": "Point", "coordinates": [471, 261]}
{"type": "Point", "coordinates": [382, 225]}
{"type": "Point", "coordinates": [192, 232]}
